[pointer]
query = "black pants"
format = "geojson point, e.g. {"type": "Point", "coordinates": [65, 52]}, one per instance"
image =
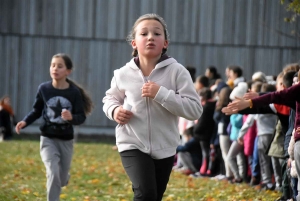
{"type": "Point", "coordinates": [149, 177]}
{"type": "Point", "coordinates": [286, 187]}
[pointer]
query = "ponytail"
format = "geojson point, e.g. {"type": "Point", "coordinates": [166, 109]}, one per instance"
{"type": "Point", "coordinates": [87, 101]}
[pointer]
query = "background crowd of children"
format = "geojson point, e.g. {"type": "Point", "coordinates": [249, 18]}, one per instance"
{"type": "Point", "coordinates": [254, 145]}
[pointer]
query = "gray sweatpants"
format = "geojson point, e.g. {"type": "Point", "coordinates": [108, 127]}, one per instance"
{"type": "Point", "coordinates": [57, 156]}
{"type": "Point", "coordinates": [225, 146]}
{"type": "Point", "coordinates": [277, 164]}
{"type": "Point", "coordinates": [187, 161]}
{"type": "Point", "coordinates": [297, 163]}
{"type": "Point", "coordinates": [264, 160]}
{"type": "Point", "coordinates": [236, 160]}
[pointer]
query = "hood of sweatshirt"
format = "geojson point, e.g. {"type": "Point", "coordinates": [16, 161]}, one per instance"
{"type": "Point", "coordinates": [164, 60]}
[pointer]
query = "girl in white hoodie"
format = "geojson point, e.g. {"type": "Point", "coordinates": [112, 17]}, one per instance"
{"type": "Point", "coordinates": [157, 90]}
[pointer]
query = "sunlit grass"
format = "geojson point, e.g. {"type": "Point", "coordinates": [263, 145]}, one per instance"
{"type": "Point", "coordinates": [97, 175]}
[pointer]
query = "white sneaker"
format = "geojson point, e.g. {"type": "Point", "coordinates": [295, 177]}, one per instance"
{"type": "Point", "coordinates": [179, 169]}
{"type": "Point", "coordinates": [176, 167]}
{"type": "Point", "coordinates": [195, 175]}
{"type": "Point", "coordinates": [219, 177]}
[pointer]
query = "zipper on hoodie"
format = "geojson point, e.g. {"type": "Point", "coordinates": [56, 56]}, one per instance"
{"type": "Point", "coordinates": [148, 112]}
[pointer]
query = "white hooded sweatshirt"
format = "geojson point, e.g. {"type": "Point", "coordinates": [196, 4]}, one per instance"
{"type": "Point", "coordinates": [153, 128]}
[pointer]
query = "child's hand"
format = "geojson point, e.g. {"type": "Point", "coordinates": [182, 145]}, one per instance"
{"type": "Point", "coordinates": [66, 115]}
{"type": "Point", "coordinates": [240, 141]}
{"type": "Point", "coordinates": [238, 104]}
{"type": "Point", "coordinates": [150, 89]}
{"type": "Point", "coordinates": [19, 126]}
{"type": "Point", "coordinates": [228, 111]}
{"type": "Point", "coordinates": [250, 95]}
{"type": "Point", "coordinates": [289, 162]}
{"type": "Point", "coordinates": [298, 130]}
{"type": "Point", "coordinates": [122, 116]}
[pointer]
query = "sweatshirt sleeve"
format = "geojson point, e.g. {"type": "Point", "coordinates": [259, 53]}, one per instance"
{"type": "Point", "coordinates": [247, 124]}
{"type": "Point", "coordinates": [113, 98]}
{"type": "Point", "coordinates": [37, 110]}
{"type": "Point", "coordinates": [78, 111]}
{"type": "Point", "coordinates": [286, 97]}
{"type": "Point", "coordinates": [184, 102]}
{"type": "Point", "coordinates": [291, 146]}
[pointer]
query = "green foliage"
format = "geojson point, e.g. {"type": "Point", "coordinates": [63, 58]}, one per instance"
{"type": "Point", "coordinates": [97, 175]}
{"type": "Point", "coordinates": [292, 6]}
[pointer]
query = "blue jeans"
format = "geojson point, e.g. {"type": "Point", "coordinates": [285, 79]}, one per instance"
{"type": "Point", "coordinates": [255, 169]}
{"type": "Point", "coordinates": [294, 187]}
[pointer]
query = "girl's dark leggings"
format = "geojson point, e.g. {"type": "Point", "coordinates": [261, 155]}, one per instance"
{"type": "Point", "coordinates": [149, 176]}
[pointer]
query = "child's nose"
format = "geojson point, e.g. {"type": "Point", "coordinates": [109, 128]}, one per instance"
{"type": "Point", "coordinates": [150, 36]}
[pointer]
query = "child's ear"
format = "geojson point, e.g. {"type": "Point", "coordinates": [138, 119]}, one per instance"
{"type": "Point", "coordinates": [133, 44]}
{"type": "Point", "coordinates": [69, 71]}
{"type": "Point", "coordinates": [166, 43]}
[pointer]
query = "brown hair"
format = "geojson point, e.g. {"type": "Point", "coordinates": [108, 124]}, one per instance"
{"type": "Point", "coordinates": [87, 101]}
{"type": "Point", "coordinates": [6, 107]}
{"type": "Point", "coordinates": [236, 70]}
{"type": "Point", "coordinates": [150, 16]}
{"type": "Point", "coordinates": [268, 87]}
{"type": "Point", "coordinates": [257, 86]}
{"type": "Point", "coordinates": [205, 93]}
{"type": "Point", "coordinates": [280, 75]}
{"type": "Point", "coordinates": [291, 67]}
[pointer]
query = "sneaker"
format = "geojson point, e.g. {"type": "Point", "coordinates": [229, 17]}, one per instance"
{"type": "Point", "coordinates": [269, 186]}
{"type": "Point", "coordinates": [175, 167]}
{"type": "Point", "coordinates": [187, 172]}
{"type": "Point", "coordinates": [179, 169]}
{"type": "Point", "coordinates": [208, 173]}
{"type": "Point", "coordinates": [254, 181]}
{"type": "Point", "coordinates": [229, 179]}
{"type": "Point", "coordinates": [236, 181]}
{"type": "Point", "coordinates": [196, 175]}
{"type": "Point", "coordinates": [219, 177]}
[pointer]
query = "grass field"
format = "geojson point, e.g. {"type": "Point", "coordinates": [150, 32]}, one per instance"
{"type": "Point", "coordinates": [97, 175]}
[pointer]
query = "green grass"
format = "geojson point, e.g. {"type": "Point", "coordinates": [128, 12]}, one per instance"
{"type": "Point", "coordinates": [97, 175]}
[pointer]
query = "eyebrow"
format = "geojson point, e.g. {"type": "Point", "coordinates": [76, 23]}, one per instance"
{"type": "Point", "coordinates": [154, 27]}
{"type": "Point", "coordinates": [57, 63]}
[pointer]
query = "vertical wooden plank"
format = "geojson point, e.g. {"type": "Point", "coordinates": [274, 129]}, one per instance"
{"type": "Point", "coordinates": [218, 25]}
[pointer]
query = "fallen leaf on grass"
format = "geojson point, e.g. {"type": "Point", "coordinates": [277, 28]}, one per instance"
{"type": "Point", "coordinates": [25, 191]}
{"type": "Point", "coordinates": [63, 196]}
{"type": "Point", "coordinates": [170, 197]}
{"type": "Point", "coordinates": [94, 181]}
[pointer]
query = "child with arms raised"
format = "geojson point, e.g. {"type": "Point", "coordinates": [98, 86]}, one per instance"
{"type": "Point", "coordinates": [289, 97]}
